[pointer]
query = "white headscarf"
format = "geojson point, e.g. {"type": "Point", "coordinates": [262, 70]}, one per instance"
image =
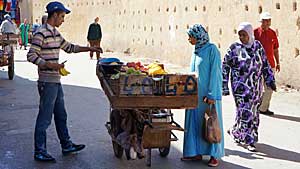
{"type": "Point", "coordinates": [247, 27]}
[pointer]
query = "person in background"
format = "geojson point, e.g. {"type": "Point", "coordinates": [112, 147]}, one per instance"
{"type": "Point", "coordinates": [8, 26]}
{"type": "Point", "coordinates": [35, 26]}
{"type": "Point", "coordinates": [206, 62]}
{"type": "Point", "coordinates": [94, 36]}
{"type": "Point", "coordinates": [44, 19]}
{"type": "Point", "coordinates": [247, 65]}
{"type": "Point", "coordinates": [268, 38]}
{"type": "Point", "coordinates": [44, 52]}
{"type": "Point", "coordinates": [24, 30]}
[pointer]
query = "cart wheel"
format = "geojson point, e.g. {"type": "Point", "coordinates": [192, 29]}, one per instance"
{"type": "Point", "coordinates": [11, 69]}
{"type": "Point", "coordinates": [164, 152]}
{"type": "Point", "coordinates": [115, 121]}
{"type": "Point", "coordinates": [118, 150]}
{"type": "Point", "coordinates": [11, 65]}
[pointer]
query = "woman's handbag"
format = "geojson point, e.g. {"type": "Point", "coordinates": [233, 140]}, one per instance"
{"type": "Point", "coordinates": [212, 132]}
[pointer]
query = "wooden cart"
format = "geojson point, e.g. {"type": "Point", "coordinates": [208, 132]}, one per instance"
{"type": "Point", "coordinates": [139, 92]}
{"type": "Point", "coordinates": [7, 52]}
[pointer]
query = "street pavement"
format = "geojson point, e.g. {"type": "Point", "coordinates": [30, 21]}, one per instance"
{"type": "Point", "coordinates": [88, 110]}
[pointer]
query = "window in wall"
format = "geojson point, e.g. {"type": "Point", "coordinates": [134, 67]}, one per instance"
{"type": "Point", "coordinates": [234, 31]}
{"type": "Point", "coordinates": [161, 43]}
{"type": "Point", "coordinates": [298, 23]}
{"type": "Point", "coordinates": [187, 26]}
{"type": "Point", "coordinates": [174, 9]}
{"type": "Point", "coordinates": [151, 28]}
{"type": "Point", "coordinates": [109, 2]}
{"type": "Point", "coordinates": [145, 11]}
{"type": "Point", "coordinates": [133, 27]}
{"type": "Point", "coordinates": [294, 6]}
{"type": "Point", "coordinates": [207, 29]}
{"type": "Point", "coordinates": [204, 8]}
{"type": "Point", "coordinates": [169, 27]}
{"type": "Point", "coordinates": [167, 9]}
{"type": "Point", "coordinates": [297, 52]}
{"type": "Point", "coordinates": [220, 31]}
{"type": "Point", "coordinates": [124, 11]}
{"type": "Point", "coordinates": [260, 9]}
{"type": "Point", "coordinates": [152, 42]}
{"type": "Point", "coordinates": [219, 45]}
{"type": "Point", "coordinates": [277, 5]}
{"type": "Point", "coordinates": [158, 9]}
{"type": "Point", "coordinates": [139, 11]}
{"type": "Point", "coordinates": [220, 8]}
{"type": "Point", "coordinates": [176, 27]}
{"type": "Point", "coordinates": [160, 29]}
{"type": "Point", "coordinates": [133, 12]}
{"type": "Point", "coordinates": [186, 8]}
{"type": "Point", "coordinates": [196, 8]}
{"type": "Point", "coordinates": [146, 42]}
{"type": "Point", "coordinates": [145, 28]}
{"type": "Point", "coordinates": [246, 8]}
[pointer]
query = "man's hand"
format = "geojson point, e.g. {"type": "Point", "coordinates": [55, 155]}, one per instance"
{"type": "Point", "coordinates": [96, 49]}
{"type": "Point", "coordinates": [278, 67]}
{"type": "Point", "coordinates": [55, 66]}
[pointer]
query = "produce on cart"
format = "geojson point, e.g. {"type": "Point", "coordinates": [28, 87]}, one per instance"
{"type": "Point", "coordinates": [141, 98]}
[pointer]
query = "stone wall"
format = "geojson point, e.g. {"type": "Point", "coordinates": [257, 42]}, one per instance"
{"type": "Point", "coordinates": [157, 28]}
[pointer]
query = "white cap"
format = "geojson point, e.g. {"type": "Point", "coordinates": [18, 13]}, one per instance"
{"type": "Point", "coordinates": [265, 15]}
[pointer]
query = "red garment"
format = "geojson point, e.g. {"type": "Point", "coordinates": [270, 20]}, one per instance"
{"type": "Point", "coordinates": [8, 6]}
{"type": "Point", "coordinates": [269, 41]}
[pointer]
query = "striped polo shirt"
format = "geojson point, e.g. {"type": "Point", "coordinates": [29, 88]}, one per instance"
{"type": "Point", "coordinates": [45, 46]}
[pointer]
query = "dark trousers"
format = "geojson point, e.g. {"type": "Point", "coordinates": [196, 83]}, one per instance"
{"type": "Point", "coordinates": [51, 103]}
{"type": "Point", "coordinates": [95, 43]}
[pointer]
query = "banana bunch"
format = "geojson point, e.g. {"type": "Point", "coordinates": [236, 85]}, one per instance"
{"type": "Point", "coordinates": [63, 72]}
{"type": "Point", "coordinates": [155, 69]}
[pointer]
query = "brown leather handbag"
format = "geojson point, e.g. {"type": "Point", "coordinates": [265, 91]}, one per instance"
{"type": "Point", "coordinates": [212, 132]}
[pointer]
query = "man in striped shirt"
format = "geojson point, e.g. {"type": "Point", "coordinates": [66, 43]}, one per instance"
{"type": "Point", "coordinates": [44, 52]}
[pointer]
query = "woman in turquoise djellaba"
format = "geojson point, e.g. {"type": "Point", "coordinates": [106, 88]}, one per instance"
{"type": "Point", "coordinates": [206, 63]}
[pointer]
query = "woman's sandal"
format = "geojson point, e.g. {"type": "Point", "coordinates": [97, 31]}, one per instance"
{"type": "Point", "coordinates": [195, 158]}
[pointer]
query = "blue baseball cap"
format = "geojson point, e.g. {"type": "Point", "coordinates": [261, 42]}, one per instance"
{"type": "Point", "coordinates": [56, 6]}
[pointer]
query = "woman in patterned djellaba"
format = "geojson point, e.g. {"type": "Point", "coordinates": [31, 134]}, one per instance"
{"type": "Point", "coordinates": [247, 65]}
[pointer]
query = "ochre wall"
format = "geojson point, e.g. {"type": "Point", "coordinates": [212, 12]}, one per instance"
{"type": "Point", "coordinates": [157, 28]}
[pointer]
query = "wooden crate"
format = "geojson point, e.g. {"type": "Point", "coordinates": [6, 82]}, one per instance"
{"type": "Point", "coordinates": [142, 101]}
{"type": "Point", "coordinates": [180, 84]}
{"type": "Point", "coordinates": [135, 85]}
{"type": "Point", "coordinates": [153, 138]}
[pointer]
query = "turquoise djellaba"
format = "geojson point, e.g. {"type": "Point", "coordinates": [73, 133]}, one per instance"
{"type": "Point", "coordinates": [206, 63]}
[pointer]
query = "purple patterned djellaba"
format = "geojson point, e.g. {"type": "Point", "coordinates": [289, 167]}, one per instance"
{"type": "Point", "coordinates": [248, 67]}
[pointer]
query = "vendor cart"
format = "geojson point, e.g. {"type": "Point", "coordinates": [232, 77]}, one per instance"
{"type": "Point", "coordinates": [153, 97]}
{"type": "Point", "coordinates": [7, 52]}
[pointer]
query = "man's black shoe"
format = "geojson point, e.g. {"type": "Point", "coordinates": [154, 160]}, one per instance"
{"type": "Point", "coordinates": [43, 157]}
{"type": "Point", "coordinates": [73, 148]}
{"type": "Point", "coordinates": [268, 112]}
